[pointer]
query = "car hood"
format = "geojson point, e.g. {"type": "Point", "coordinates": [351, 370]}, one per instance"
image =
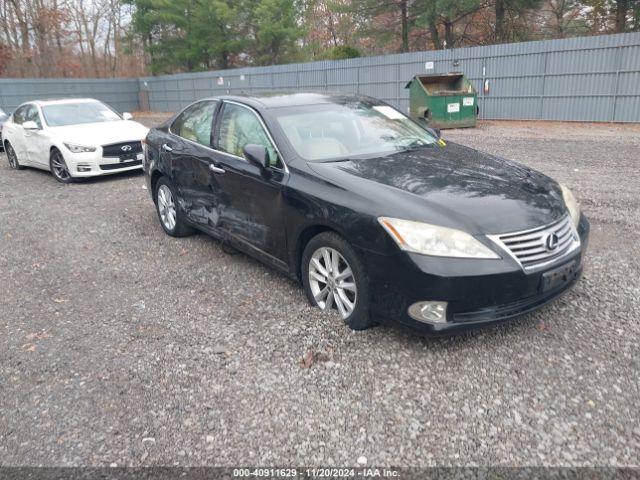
{"type": "Point", "coordinates": [453, 186]}
{"type": "Point", "coordinates": [102, 133]}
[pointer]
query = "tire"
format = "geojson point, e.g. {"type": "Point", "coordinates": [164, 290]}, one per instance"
{"type": "Point", "coordinates": [170, 216]}
{"type": "Point", "coordinates": [14, 163]}
{"type": "Point", "coordinates": [58, 167]}
{"type": "Point", "coordinates": [352, 302]}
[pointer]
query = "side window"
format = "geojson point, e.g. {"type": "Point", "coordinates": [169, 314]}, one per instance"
{"type": "Point", "coordinates": [195, 123]}
{"type": "Point", "coordinates": [239, 126]}
{"type": "Point", "coordinates": [33, 115]}
{"type": "Point", "coordinates": [19, 115]}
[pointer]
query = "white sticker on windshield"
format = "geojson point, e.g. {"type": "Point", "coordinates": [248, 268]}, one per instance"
{"type": "Point", "coordinates": [453, 107]}
{"type": "Point", "coordinates": [389, 112]}
{"type": "Point", "coordinates": [467, 101]}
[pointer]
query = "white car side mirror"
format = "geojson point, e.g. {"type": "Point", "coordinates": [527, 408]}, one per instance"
{"type": "Point", "coordinates": [127, 116]}
{"type": "Point", "coordinates": [30, 125]}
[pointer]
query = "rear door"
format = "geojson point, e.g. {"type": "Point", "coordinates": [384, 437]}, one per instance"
{"type": "Point", "coordinates": [188, 154]}
{"type": "Point", "coordinates": [15, 133]}
{"type": "Point", "coordinates": [36, 141]}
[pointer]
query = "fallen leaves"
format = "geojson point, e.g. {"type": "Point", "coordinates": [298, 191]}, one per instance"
{"type": "Point", "coordinates": [312, 357]}
{"type": "Point", "coordinates": [38, 335]}
{"type": "Point", "coordinates": [32, 338]}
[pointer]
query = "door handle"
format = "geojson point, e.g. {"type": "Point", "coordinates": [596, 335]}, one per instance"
{"type": "Point", "coordinates": [215, 169]}
{"type": "Point", "coordinates": [167, 148]}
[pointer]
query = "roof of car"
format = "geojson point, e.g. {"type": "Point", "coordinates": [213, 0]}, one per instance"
{"type": "Point", "coordinates": [288, 99]}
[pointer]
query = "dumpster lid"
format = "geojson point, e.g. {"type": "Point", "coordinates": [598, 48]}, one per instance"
{"type": "Point", "coordinates": [437, 78]}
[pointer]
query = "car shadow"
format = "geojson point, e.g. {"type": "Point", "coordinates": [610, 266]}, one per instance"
{"type": "Point", "coordinates": [108, 178]}
{"type": "Point", "coordinates": [112, 177]}
{"type": "Point", "coordinates": [397, 333]}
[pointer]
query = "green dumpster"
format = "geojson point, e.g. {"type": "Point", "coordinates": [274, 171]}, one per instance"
{"type": "Point", "coordinates": [443, 101]}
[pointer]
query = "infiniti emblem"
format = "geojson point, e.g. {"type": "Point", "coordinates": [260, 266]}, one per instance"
{"type": "Point", "coordinates": [125, 148]}
{"type": "Point", "coordinates": [551, 242]}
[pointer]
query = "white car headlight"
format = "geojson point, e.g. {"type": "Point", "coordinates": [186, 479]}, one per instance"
{"type": "Point", "coordinates": [572, 205]}
{"type": "Point", "coordinates": [75, 148]}
{"type": "Point", "coordinates": [434, 240]}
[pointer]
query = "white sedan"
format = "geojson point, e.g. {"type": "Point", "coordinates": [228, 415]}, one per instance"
{"type": "Point", "coordinates": [73, 138]}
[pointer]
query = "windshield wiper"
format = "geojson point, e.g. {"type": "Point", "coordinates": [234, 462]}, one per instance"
{"type": "Point", "coordinates": [336, 160]}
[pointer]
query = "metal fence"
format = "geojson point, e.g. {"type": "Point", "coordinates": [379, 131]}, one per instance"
{"type": "Point", "coordinates": [120, 93]}
{"type": "Point", "coordinates": [584, 79]}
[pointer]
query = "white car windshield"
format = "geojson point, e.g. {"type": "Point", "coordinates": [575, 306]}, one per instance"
{"type": "Point", "coordinates": [61, 114]}
{"type": "Point", "coordinates": [357, 129]}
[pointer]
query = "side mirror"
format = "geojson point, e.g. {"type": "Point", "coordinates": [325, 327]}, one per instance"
{"type": "Point", "coordinates": [258, 155]}
{"type": "Point", "coordinates": [30, 125]}
{"type": "Point", "coordinates": [435, 132]}
{"type": "Point", "coordinates": [126, 116]}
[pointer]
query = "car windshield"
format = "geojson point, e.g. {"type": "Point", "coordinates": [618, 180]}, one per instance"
{"type": "Point", "coordinates": [61, 114]}
{"type": "Point", "coordinates": [327, 132]}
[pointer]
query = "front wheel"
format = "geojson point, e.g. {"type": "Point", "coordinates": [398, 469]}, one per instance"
{"type": "Point", "coordinates": [58, 167]}
{"type": "Point", "coordinates": [12, 157]}
{"type": "Point", "coordinates": [334, 278]}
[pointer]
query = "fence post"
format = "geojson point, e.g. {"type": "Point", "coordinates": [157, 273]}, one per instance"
{"type": "Point", "coordinates": [398, 85]}
{"type": "Point", "coordinates": [544, 83]}
{"type": "Point", "coordinates": [618, 60]}
{"type": "Point", "coordinates": [484, 79]}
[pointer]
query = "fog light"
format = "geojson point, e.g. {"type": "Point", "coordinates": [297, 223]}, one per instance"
{"type": "Point", "coordinates": [83, 168]}
{"type": "Point", "coordinates": [429, 312]}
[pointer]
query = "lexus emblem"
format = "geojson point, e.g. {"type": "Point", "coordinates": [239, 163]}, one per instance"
{"type": "Point", "coordinates": [551, 242]}
{"type": "Point", "coordinates": [126, 148]}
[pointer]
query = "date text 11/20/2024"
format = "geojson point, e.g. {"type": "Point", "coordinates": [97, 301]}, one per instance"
{"type": "Point", "coordinates": [364, 472]}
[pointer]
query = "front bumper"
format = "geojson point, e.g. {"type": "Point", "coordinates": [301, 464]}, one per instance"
{"type": "Point", "coordinates": [93, 164]}
{"type": "Point", "coordinates": [478, 292]}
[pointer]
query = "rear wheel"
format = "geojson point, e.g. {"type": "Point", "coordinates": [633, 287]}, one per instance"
{"type": "Point", "coordinates": [12, 157]}
{"type": "Point", "coordinates": [169, 214]}
{"type": "Point", "coordinates": [58, 167]}
{"type": "Point", "coordinates": [334, 278]}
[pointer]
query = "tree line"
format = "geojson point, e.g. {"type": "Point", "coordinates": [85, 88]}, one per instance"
{"type": "Point", "coordinates": [106, 38]}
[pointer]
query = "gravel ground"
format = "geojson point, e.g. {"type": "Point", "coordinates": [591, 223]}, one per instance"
{"type": "Point", "coordinates": [121, 345]}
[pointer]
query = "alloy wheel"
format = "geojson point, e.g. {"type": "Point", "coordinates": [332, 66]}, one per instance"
{"type": "Point", "coordinates": [59, 166]}
{"type": "Point", "coordinates": [332, 282]}
{"type": "Point", "coordinates": [166, 207]}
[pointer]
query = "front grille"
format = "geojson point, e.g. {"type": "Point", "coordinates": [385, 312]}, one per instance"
{"type": "Point", "coordinates": [116, 166]}
{"type": "Point", "coordinates": [531, 247]}
{"type": "Point", "coordinates": [115, 149]}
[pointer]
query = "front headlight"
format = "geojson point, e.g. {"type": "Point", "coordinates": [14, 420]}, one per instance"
{"type": "Point", "coordinates": [79, 148]}
{"type": "Point", "coordinates": [572, 205]}
{"type": "Point", "coordinates": [434, 240]}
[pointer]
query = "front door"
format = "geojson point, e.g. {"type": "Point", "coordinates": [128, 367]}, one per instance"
{"type": "Point", "coordinates": [250, 199]}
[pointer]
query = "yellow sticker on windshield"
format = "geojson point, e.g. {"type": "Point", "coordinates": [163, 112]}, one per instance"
{"type": "Point", "coordinates": [442, 143]}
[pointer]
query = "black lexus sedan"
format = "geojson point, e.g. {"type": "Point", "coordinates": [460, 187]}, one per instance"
{"type": "Point", "coordinates": [377, 217]}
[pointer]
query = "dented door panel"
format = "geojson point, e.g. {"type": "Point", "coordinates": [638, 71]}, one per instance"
{"type": "Point", "coordinates": [250, 205]}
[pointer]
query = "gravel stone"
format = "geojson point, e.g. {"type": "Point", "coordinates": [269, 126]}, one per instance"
{"type": "Point", "coordinates": [109, 331]}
